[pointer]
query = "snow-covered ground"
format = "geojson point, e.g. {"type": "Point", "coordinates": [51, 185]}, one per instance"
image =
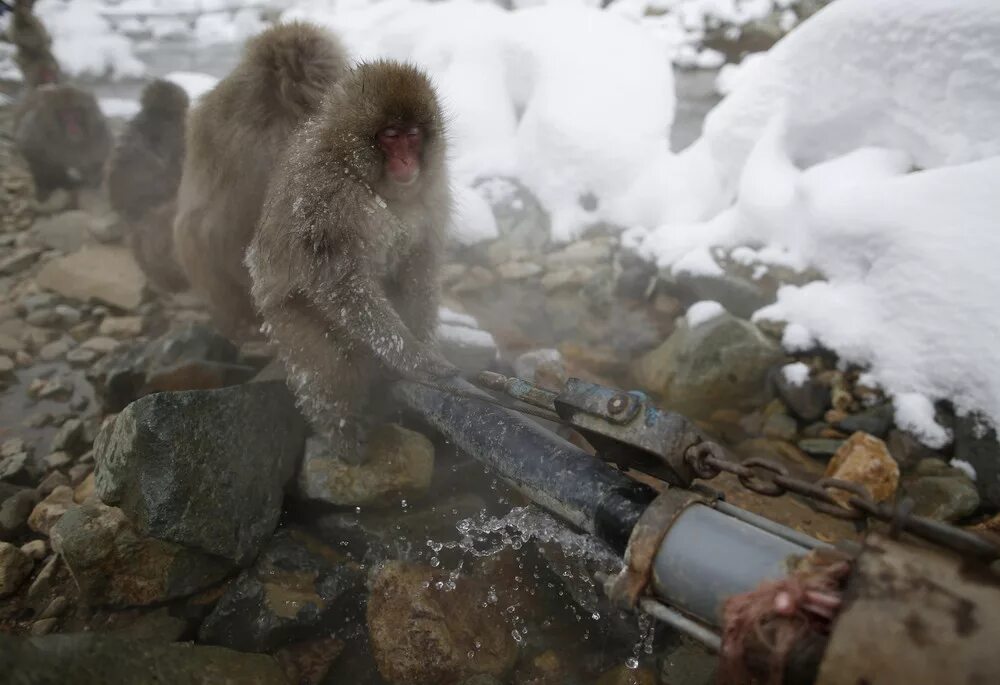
{"type": "Point", "coordinates": [865, 144]}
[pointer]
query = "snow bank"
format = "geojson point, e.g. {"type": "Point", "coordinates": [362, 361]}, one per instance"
{"type": "Point", "coordinates": [576, 124]}
{"type": "Point", "coordinates": [194, 83]}
{"type": "Point", "coordinates": [84, 42]}
{"type": "Point", "coordinates": [703, 312]}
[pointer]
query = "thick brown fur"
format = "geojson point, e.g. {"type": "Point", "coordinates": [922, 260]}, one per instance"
{"type": "Point", "coordinates": [57, 156]}
{"type": "Point", "coordinates": [344, 265]}
{"type": "Point", "coordinates": [234, 137]}
{"type": "Point", "coordinates": [34, 46]}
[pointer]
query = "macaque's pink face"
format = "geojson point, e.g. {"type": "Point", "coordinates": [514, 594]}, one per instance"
{"type": "Point", "coordinates": [70, 119]}
{"type": "Point", "coordinates": [401, 146]}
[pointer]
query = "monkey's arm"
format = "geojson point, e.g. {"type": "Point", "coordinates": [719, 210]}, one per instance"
{"type": "Point", "coordinates": [356, 307]}
{"type": "Point", "coordinates": [415, 291]}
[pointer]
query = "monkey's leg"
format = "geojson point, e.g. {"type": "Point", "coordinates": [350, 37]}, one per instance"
{"type": "Point", "coordinates": [332, 384]}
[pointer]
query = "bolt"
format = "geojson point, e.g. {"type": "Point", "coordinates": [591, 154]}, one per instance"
{"type": "Point", "coordinates": [617, 404]}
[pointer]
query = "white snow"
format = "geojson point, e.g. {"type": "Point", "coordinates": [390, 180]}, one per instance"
{"type": "Point", "coordinates": [796, 374]}
{"type": "Point", "coordinates": [471, 337]}
{"type": "Point", "coordinates": [450, 316]}
{"type": "Point", "coordinates": [122, 108]}
{"type": "Point", "coordinates": [195, 84]}
{"type": "Point", "coordinates": [703, 312]}
{"type": "Point", "coordinates": [965, 467]}
{"type": "Point", "coordinates": [84, 42]}
{"type": "Point", "coordinates": [472, 219]}
{"type": "Point", "coordinates": [915, 413]}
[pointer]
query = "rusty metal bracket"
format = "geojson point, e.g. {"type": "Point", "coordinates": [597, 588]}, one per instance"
{"type": "Point", "coordinates": [630, 584]}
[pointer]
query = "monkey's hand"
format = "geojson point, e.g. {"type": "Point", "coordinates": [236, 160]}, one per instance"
{"type": "Point", "coordinates": [431, 366]}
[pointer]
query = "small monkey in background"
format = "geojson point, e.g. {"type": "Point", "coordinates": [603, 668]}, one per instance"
{"type": "Point", "coordinates": [34, 46]}
{"type": "Point", "coordinates": [235, 134]}
{"type": "Point", "coordinates": [64, 137]}
{"type": "Point", "coordinates": [345, 260]}
{"type": "Point", "coordinates": [142, 177]}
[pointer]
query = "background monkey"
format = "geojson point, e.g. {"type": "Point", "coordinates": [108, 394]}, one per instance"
{"type": "Point", "coordinates": [64, 137]}
{"type": "Point", "coordinates": [234, 136]}
{"type": "Point", "coordinates": [34, 46]}
{"type": "Point", "coordinates": [142, 177]}
{"type": "Point", "coordinates": [344, 263]}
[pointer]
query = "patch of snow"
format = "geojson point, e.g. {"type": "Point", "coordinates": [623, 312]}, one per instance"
{"type": "Point", "coordinates": [965, 467]}
{"type": "Point", "coordinates": [796, 338]}
{"type": "Point", "coordinates": [121, 108]}
{"type": "Point", "coordinates": [915, 413]}
{"type": "Point", "coordinates": [450, 316]}
{"type": "Point", "coordinates": [463, 335]}
{"type": "Point", "coordinates": [195, 84]}
{"type": "Point", "coordinates": [84, 42]}
{"type": "Point", "coordinates": [703, 312]}
{"type": "Point", "coordinates": [472, 218]}
{"type": "Point", "coordinates": [698, 262]}
{"type": "Point", "coordinates": [795, 374]}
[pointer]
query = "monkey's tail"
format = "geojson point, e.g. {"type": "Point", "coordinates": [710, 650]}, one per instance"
{"type": "Point", "coordinates": [152, 241]}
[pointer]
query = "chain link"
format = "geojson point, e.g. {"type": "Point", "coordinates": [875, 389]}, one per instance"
{"type": "Point", "coordinates": [765, 477]}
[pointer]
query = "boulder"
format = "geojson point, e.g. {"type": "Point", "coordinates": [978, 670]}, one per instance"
{"type": "Point", "coordinates": [521, 220]}
{"type": "Point", "coordinates": [298, 588]}
{"type": "Point", "coordinates": [398, 463]}
{"type": "Point", "coordinates": [102, 273]}
{"type": "Point", "coordinates": [864, 459]}
{"type": "Point", "coordinates": [941, 492]}
{"type": "Point", "coordinates": [51, 509]}
{"type": "Point", "coordinates": [976, 444]}
{"type": "Point", "coordinates": [15, 508]}
{"type": "Point", "coordinates": [114, 565]}
{"type": "Point", "coordinates": [65, 232]}
{"type": "Point", "coordinates": [422, 635]}
{"type": "Point", "coordinates": [203, 468]}
{"type": "Point", "coordinates": [722, 362]}
{"type": "Point", "coordinates": [95, 659]}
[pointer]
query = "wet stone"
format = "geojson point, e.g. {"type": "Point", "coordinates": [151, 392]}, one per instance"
{"type": "Point", "coordinates": [15, 567]}
{"type": "Point", "coordinates": [907, 450]}
{"type": "Point", "coordinates": [43, 626]}
{"type": "Point", "coordinates": [36, 549]}
{"type": "Point", "coordinates": [106, 274]}
{"type": "Point", "coordinates": [113, 564]}
{"type": "Point", "coordinates": [941, 492]}
{"type": "Point", "coordinates": [68, 316]}
{"type": "Point", "coordinates": [780, 427]}
{"type": "Point", "coordinates": [57, 460]}
{"type": "Point", "coordinates": [14, 511]}
{"type": "Point", "coordinates": [45, 318]}
{"type": "Point", "coordinates": [977, 444]}
{"type": "Point", "coordinates": [96, 659]}
{"type": "Point", "coordinates": [205, 469]}
{"type": "Point", "coordinates": [297, 588]}
{"type": "Point", "coordinates": [807, 400]}
{"type": "Point", "coordinates": [875, 421]}
{"type": "Point", "coordinates": [13, 446]}
{"type": "Point", "coordinates": [9, 345]}
{"type": "Point", "coordinates": [864, 459]}
{"type": "Point", "coordinates": [52, 481]}
{"type": "Point", "coordinates": [821, 448]}
{"type": "Point", "coordinates": [398, 463]}
{"type": "Point", "coordinates": [101, 345]}
{"type": "Point", "coordinates": [47, 512]}
{"type": "Point", "coordinates": [121, 326]}
{"type": "Point", "coordinates": [18, 470]}
{"type": "Point", "coordinates": [81, 356]}
{"type": "Point", "coordinates": [421, 635]}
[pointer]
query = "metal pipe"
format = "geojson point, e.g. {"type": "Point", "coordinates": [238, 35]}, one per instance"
{"type": "Point", "coordinates": [708, 556]}
{"type": "Point", "coordinates": [550, 471]}
{"type": "Point", "coordinates": [682, 623]}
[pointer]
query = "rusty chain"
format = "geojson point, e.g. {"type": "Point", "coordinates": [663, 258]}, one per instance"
{"type": "Point", "coordinates": [765, 477]}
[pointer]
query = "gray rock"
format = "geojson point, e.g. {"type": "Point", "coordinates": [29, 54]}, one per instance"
{"type": "Point", "coordinates": [34, 302]}
{"type": "Point", "coordinates": [69, 438]}
{"type": "Point", "coordinates": [875, 421]}
{"type": "Point", "coordinates": [907, 450]}
{"type": "Point", "coordinates": [114, 565]}
{"type": "Point", "coordinates": [297, 588]}
{"type": "Point", "coordinates": [101, 659]}
{"type": "Point", "coordinates": [723, 362]}
{"type": "Point", "coordinates": [397, 463]}
{"type": "Point", "coordinates": [976, 443]}
{"type": "Point", "coordinates": [10, 345]}
{"type": "Point", "coordinates": [13, 446]}
{"type": "Point", "coordinates": [470, 349]}
{"type": "Point", "coordinates": [106, 274]}
{"type": "Point", "coordinates": [19, 261]}
{"type": "Point", "coordinates": [18, 469]}
{"type": "Point", "coordinates": [81, 356]}
{"type": "Point", "coordinates": [739, 295]}
{"type": "Point", "coordinates": [203, 468]}
{"type": "Point", "coordinates": [15, 508]}
{"type": "Point", "coordinates": [941, 492]}
{"type": "Point", "coordinates": [57, 460]}
{"type": "Point", "coordinates": [521, 220]}
{"type": "Point", "coordinates": [15, 567]}
{"type": "Point", "coordinates": [68, 316]}
{"type": "Point", "coordinates": [44, 318]}
{"type": "Point", "coordinates": [822, 448]}
{"type": "Point", "coordinates": [516, 271]}
{"type": "Point", "coordinates": [781, 427]}
{"type": "Point", "coordinates": [7, 366]}
{"type": "Point", "coordinates": [808, 400]}
{"type": "Point", "coordinates": [66, 232]}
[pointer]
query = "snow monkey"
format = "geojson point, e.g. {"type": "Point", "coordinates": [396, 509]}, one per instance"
{"type": "Point", "coordinates": [34, 46]}
{"type": "Point", "coordinates": [234, 136]}
{"type": "Point", "coordinates": [344, 263]}
{"type": "Point", "coordinates": [64, 137]}
{"type": "Point", "coordinates": [142, 177]}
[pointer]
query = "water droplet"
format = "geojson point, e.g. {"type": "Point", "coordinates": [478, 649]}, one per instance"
{"type": "Point", "coordinates": [517, 636]}
{"type": "Point", "coordinates": [632, 663]}
{"type": "Point", "coordinates": [435, 562]}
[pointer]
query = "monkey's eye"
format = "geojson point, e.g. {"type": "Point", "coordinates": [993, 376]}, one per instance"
{"type": "Point", "coordinates": [391, 133]}
{"type": "Point", "coordinates": [413, 132]}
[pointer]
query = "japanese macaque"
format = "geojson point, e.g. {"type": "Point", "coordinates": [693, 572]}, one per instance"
{"type": "Point", "coordinates": [34, 46]}
{"type": "Point", "coordinates": [142, 177]}
{"type": "Point", "coordinates": [344, 263]}
{"type": "Point", "coordinates": [64, 137]}
{"type": "Point", "coordinates": [234, 137]}
{"type": "Point", "coordinates": [144, 169]}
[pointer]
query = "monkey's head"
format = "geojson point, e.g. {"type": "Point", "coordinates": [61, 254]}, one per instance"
{"type": "Point", "coordinates": [388, 127]}
{"type": "Point", "coordinates": [165, 99]}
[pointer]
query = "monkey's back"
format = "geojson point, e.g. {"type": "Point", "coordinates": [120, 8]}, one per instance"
{"type": "Point", "coordinates": [144, 169]}
{"type": "Point", "coordinates": [234, 137]}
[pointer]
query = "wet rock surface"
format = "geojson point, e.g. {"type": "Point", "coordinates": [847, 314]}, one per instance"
{"type": "Point", "coordinates": [105, 660]}
{"type": "Point", "coordinates": [421, 635]}
{"type": "Point", "coordinates": [190, 467]}
{"type": "Point", "coordinates": [865, 460]}
{"type": "Point", "coordinates": [105, 274]}
{"type": "Point", "coordinates": [115, 565]}
{"type": "Point", "coordinates": [398, 463]}
{"type": "Point", "coordinates": [298, 588]}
